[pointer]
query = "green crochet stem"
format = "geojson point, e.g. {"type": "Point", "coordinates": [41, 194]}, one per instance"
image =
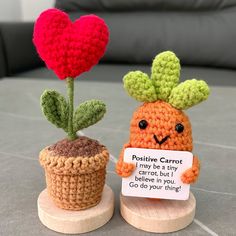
{"type": "Point", "coordinates": [70, 92]}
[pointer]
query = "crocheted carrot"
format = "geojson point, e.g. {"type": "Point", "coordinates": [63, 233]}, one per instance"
{"type": "Point", "coordinates": [69, 49]}
{"type": "Point", "coordinates": [160, 123]}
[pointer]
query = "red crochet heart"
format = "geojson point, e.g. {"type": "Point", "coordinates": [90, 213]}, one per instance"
{"type": "Point", "coordinates": [70, 48]}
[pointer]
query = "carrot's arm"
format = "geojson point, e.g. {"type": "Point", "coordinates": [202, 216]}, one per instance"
{"type": "Point", "coordinates": [124, 169]}
{"type": "Point", "coordinates": [191, 175]}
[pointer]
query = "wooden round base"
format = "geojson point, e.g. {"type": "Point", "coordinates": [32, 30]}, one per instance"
{"type": "Point", "coordinates": [74, 222]}
{"type": "Point", "coordinates": [158, 216]}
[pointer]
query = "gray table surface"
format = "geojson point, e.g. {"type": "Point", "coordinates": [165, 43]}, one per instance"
{"type": "Point", "coordinates": [24, 132]}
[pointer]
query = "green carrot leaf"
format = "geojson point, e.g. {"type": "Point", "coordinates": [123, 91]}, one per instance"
{"type": "Point", "coordinates": [139, 86]}
{"type": "Point", "coordinates": [189, 93]}
{"type": "Point", "coordinates": [165, 74]}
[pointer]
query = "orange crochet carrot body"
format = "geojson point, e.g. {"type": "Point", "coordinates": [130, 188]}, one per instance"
{"type": "Point", "coordinates": [157, 125]}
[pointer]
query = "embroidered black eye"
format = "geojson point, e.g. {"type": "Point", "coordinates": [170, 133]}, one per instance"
{"type": "Point", "coordinates": [143, 124]}
{"type": "Point", "coordinates": [179, 128]}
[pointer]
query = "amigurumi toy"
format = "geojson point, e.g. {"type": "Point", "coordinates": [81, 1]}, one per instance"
{"type": "Point", "coordinates": [75, 167]}
{"type": "Point", "coordinates": [160, 123]}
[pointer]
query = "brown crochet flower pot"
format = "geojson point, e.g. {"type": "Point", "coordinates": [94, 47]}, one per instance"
{"type": "Point", "coordinates": [75, 172]}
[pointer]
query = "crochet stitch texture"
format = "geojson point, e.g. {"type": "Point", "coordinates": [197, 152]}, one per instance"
{"type": "Point", "coordinates": [67, 48]}
{"type": "Point", "coordinates": [74, 183]}
{"type": "Point", "coordinates": [163, 84]}
{"type": "Point", "coordinates": [163, 123]}
{"type": "Point", "coordinates": [75, 167]}
{"type": "Point", "coordinates": [161, 118]}
{"type": "Point", "coordinates": [55, 109]}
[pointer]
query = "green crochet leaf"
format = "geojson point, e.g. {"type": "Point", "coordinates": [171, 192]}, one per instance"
{"type": "Point", "coordinates": [55, 108]}
{"type": "Point", "coordinates": [165, 74]}
{"type": "Point", "coordinates": [88, 113]}
{"type": "Point", "coordinates": [139, 86]}
{"type": "Point", "coordinates": [189, 93]}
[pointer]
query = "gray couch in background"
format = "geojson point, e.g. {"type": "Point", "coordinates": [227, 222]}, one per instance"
{"type": "Point", "coordinates": [201, 33]}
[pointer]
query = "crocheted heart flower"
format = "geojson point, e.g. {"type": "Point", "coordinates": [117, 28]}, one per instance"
{"type": "Point", "coordinates": [70, 48]}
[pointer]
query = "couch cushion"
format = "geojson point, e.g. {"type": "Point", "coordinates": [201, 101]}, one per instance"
{"type": "Point", "coordinates": [133, 5]}
{"type": "Point", "coordinates": [202, 39]}
{"type": "Point", "coordinates": [19, 52]}
{"type": "Point", "coordinates": [3, 69]}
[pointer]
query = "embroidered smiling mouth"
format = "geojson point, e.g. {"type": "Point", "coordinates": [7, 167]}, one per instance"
{"type": "Point", "coordinates": [161, 141]}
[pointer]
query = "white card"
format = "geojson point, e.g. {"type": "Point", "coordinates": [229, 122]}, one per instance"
{"type": "Point", "coordinates": [157, 174]}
